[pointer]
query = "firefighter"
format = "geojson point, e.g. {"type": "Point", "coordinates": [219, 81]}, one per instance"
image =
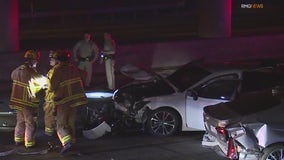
{"type": "Point", "coordinates": [49, 107]}
{"type": "Point", "coordinates": [65, 88]}
{"type": "Point", "coordinates": [25, 104]}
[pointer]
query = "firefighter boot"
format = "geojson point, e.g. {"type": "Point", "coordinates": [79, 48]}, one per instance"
{"type": "Point", "coordinates": [66, 148]}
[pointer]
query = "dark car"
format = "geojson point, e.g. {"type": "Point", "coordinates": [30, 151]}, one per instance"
{"type": "Point", "coordinates": [250, 127]}
{"type": "Point", "coordinates": [7, 119]}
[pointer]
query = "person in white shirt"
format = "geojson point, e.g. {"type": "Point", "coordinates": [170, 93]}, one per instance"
{"type": "Point", "coordinates": [108, 53]}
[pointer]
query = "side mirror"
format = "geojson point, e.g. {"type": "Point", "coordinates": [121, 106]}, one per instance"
{"type": "Point", "coordinates": [193, 94]}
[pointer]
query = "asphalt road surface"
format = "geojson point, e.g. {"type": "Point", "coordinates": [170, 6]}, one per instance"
{"type": "Point", "coordinates": [122, 146]}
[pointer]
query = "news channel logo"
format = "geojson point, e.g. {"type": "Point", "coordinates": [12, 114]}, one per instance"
{"type": "Point", "coordinates": [252, 5]}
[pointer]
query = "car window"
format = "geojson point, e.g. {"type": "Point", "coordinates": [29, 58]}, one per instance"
{"type": "Point", "coordinates": [223, 87]}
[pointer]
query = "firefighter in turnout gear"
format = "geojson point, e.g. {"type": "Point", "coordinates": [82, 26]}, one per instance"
{"type": "Point", "coordinates": [49, 106]}
{"type": "Point", "coordinates": [21, 99]}
{"type": "Point", "coordinates": [65, 89]}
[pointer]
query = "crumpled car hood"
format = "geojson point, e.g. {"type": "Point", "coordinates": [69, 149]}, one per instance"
{"type": "Point", "coordinates": [184, 77]}
{"type": "Point", "coordinates": [139, 89]}
{"type": "Point", "coordinates": [136, 73]}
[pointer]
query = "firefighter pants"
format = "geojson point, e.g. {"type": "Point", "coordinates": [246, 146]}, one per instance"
{"type": "Point", "coordinates": [25, 127]}
{"type": "Point", "coordinates": [49, 118]}
{"type": "Point", "coordinates": [109, 65]}
{"type": "Point", "coordinates": [66, 124]}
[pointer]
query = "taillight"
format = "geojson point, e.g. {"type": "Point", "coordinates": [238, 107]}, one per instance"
{"type": "Point", "coordinates": [222, 133]}
{"type": "Point", "coordinates": [232, 151]}
{"type": "Point", "coordinates": [221, 130]}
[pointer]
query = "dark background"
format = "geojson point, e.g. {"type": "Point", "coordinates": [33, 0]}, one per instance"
{"type": "Point", "coordinates": [62, 22]}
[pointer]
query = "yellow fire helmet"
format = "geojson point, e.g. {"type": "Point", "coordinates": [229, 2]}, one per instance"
{"type": "Point", "coordinates": [32, 55]}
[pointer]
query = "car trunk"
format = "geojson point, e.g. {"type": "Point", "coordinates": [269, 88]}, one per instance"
{"type": "Point", "coordinates": [239, 110]}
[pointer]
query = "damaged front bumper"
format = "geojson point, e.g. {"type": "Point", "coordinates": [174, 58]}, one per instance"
{"type": "Point", "coordinates": [98, 131]}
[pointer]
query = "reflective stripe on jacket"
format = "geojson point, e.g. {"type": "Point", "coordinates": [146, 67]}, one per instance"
{"type": "Point", "coordinates": [20, 92]}
{"type": "Point", "coordinates": [66, 85]}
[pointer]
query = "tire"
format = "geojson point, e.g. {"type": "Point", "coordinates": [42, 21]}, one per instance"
{"type": "Point", "coordinates": [163, 122]}
{"type": "Point", "coordinates": [274, 152]}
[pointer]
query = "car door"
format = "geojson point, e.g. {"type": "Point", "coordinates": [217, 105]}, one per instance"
{"type": "Point", "coordinates": [216, 90]}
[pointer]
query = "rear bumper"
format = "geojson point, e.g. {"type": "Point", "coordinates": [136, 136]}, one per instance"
{"type": "Point", "coordinates": [209, 141]}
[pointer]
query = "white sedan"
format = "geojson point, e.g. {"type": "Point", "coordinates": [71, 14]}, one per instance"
{"type": "Point", "coordinates": [175, 103]}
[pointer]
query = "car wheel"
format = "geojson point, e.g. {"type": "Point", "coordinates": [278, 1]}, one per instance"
{"type": "Point", "coordinates": [163, 122]}
{"type": "Point", "coordinates": [274, 152]}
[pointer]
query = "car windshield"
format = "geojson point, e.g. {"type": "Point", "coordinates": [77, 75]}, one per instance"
{"type": "Point", "coordinates": [188, 75]}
